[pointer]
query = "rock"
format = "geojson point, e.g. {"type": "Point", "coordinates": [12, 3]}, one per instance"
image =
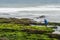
{"type": "Point", "coordinates": [33, 31]}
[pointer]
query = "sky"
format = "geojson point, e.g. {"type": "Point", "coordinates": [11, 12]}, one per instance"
{"type": "Point", "coordinates": [27, 2]}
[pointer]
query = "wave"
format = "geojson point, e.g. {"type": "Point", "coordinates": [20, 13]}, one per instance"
{"type": "Point", "coordinates": [32, 12]}
{"type": "Point", "coordinates": [37, 8]}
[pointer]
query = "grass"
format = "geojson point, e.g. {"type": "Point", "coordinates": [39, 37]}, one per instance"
{"type": "Point", "coordinates": [20, 27]}
{"type": "Point", "coordinates": [24, 36]}
{"type": "Point", "coordinates": [13, 32]}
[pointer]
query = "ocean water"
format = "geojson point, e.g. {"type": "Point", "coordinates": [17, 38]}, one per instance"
{"type": "Point", "coordinates": [51, 12]}
{"type": "Point", "coordinates": [31, 9]}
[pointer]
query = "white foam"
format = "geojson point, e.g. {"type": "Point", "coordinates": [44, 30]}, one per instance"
{"type": "Point", "coordinates": [37, 8]}
{"type": "Point", "coordinates": [32, 12]}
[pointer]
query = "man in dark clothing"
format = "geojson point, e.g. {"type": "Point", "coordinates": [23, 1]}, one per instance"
{"type": "Point", "coordinates": [45, 22]}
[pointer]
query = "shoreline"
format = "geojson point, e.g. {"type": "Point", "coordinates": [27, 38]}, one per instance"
{"type": "Point", "coordinates": [24, 21]}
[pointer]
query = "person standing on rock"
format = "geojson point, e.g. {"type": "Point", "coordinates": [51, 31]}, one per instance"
{"type": "Point", "coordinates": [45, 22]}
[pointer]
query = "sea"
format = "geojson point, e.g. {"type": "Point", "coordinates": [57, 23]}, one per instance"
{"type": "Point", "coordinates": [31, 9]}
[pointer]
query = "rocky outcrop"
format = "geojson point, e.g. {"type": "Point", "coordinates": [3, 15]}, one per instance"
{"type": "Point", "coordinates": [33, 31]}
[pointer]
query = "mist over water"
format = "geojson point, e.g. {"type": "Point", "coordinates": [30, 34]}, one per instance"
{"type": "Point", "coordinates": [52, 12]}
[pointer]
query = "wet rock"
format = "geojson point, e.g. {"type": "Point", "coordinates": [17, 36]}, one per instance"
{"type": "Point", "coordinates": [33, 31]}
{"type": "Point", "coordinates": [54, 36]}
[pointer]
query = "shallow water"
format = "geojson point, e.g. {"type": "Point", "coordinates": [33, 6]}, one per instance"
{"type": "Point", "coordinates": [57, 30]}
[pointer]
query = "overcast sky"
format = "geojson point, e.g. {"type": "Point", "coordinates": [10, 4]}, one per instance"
{"type": "Point", "coordinates": [28, 1]}
{"type": "Point", "coordinates": [21, 3]}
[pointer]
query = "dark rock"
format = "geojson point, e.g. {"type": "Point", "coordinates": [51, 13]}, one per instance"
{"type": "Point", "coordinates": [54, 36]}
{"type": "Point", "coordinates": [33, 31]}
